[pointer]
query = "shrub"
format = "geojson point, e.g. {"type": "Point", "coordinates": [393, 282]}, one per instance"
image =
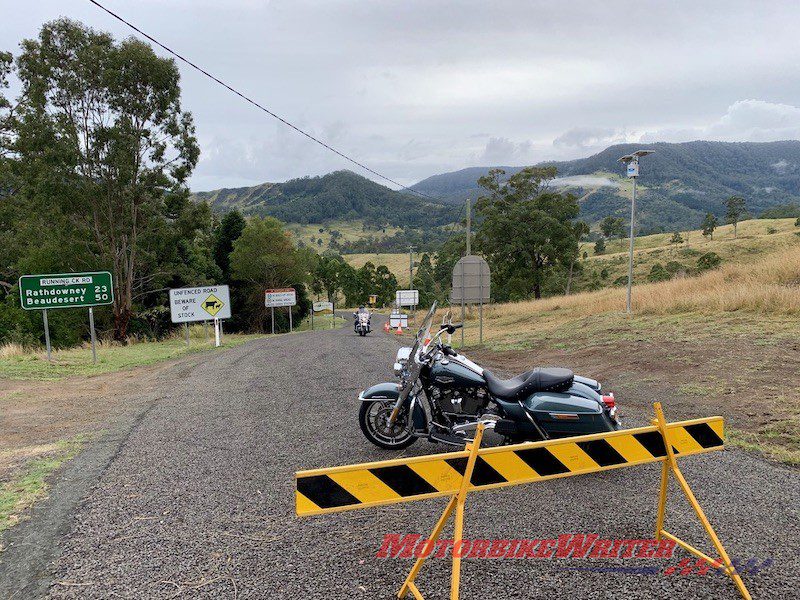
{"type": "Point", "coordinates": [771, 230]}
{"type": "Point", "coordinates": [709, 260]}
{"type": "Point", "coordinates": [604, 274]}
{"type": "Point", "coordinates": [674, 267]}
{"type": "Point", "coordinates": [797, 223]}
{"type": "Point", "coordinates": [600, 246]}
{"type": "Point", "coordinates": [658, 273]}
{"type": "Point", "coordinates": [622, 280]}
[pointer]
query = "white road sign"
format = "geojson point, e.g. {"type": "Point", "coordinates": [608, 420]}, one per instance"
{"type": "Point", "coordinates": [200, 303]}
{"type": "Point", "coordinates": [407, 297]}
{"type": "Point", "coordinates": [320, 306]}
{"type": "Point", "coordinates": [280, 297]}
{"type": "Point", "coordinates": [396, 319]}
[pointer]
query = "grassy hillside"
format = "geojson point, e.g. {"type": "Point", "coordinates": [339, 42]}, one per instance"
{"type": "Point", "coordinates": [397, 263]}
{"type": "Point", "coordinates": [340, 196]}
{"type": "Point", "coordinates": [683, 180]}
{"type": "Point", "coordinates": [756, 238]}
{"type": "Point", "coordinates": [320, 235]}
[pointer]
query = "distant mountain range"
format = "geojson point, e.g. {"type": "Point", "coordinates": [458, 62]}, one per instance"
{"type": "Point", "coordinates": [337, 196]}
{"type": "Point", "coordinates": [678, 185]}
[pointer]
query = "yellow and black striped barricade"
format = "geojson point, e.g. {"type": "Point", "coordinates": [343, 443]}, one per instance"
{"type": "Point", "coordinates": [455, 474]}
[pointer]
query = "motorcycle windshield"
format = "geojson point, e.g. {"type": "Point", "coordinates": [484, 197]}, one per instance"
{"type": "Point", "coordinates": [413, 364]}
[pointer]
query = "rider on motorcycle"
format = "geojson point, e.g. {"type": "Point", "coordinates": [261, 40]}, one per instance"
{"type": "Point", "coordinates": [361, 319]}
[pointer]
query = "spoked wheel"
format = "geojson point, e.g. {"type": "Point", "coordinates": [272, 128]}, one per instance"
{"type": "Point", "coordinates": [374, 420]}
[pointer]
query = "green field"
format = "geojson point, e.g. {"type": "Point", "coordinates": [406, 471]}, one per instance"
{"type": "Point", "coordinates": [397, 263]}
{"type": "Point", "coordinates": [756, 238]}
{"type": "Point", "coordinates": [312, 234]}
{"type": "Point", "coordinates": [25, 487]}
{"type": "Point", "coordinates": [32, 365]}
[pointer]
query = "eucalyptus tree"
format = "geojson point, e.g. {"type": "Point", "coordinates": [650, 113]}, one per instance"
{"type": "Point", "coordinates": [105, 145]}
{"type": "Point", "coordinates": [526, 230]}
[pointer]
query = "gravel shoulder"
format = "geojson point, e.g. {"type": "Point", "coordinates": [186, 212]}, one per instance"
{"type": "Point", "coordinates": [193, 496]}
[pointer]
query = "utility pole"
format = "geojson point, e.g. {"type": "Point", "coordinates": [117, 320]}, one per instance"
{"type": "Point", "coordinates": [469, 234]}
{"type": "Point", "coordinates": [463, 305]}
{"type": "Point", "coordinates": [411, 267]}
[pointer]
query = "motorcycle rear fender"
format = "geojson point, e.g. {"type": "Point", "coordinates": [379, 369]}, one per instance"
{"type": "Point", "coordinates": [391, 391]}
{"type": "Point", "coordinates": [592, 383]}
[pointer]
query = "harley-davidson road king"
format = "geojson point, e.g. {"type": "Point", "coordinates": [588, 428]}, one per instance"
{"type": "Point", "coordinates": [442, 396]}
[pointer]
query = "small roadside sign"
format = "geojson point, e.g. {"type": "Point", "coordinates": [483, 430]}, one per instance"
{"type": "Point", "coordinates": [321, 306]}
{"type": "Point", "coordinates": [398, 320]}
{"type": "Point", "coordinates": [407, 297]}
{"type": "Point", "coordinates": [66, 290]}
{"type": "Point", "coordinates": [280, 297]}
{"type": "Point", "coordinates": [373, 299]}
{"type": "Point", "coordinates": [188, 305]}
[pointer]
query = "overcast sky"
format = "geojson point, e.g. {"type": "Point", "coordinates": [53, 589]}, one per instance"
{"type": "Point", "coordinates": [418, 87]}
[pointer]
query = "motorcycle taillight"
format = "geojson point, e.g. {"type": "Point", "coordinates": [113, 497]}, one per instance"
{"type": "Point", "coordinates": [609, 401]}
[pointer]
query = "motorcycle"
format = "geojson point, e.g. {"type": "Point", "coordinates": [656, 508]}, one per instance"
{"type": "Point", "coordinates": [443, 396]}
{"type": "Point", "coordinates": [362, 323]}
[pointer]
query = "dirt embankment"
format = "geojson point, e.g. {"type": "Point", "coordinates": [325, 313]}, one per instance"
{"type": "Point", "coordinates": [749, 382]}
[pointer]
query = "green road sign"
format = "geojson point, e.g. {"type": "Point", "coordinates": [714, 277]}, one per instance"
{"type": "Point", "coordinates": [65, 290]}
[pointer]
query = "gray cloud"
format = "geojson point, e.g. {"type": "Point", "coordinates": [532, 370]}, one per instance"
{"type": "Point", "coordinates": [404, 86]}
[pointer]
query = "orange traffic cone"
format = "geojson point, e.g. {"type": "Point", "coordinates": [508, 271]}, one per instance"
{"type": "Point", "coordinates": [399, 330]}
{"type": "Point", "coordinates": [387, 327]}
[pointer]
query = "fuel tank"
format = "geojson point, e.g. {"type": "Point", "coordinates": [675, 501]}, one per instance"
{"type": "Point", "coordinates": [452, 374]}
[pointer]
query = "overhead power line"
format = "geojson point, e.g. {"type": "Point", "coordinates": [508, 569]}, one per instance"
{"type": "Point", "coordinates": [260, 106]}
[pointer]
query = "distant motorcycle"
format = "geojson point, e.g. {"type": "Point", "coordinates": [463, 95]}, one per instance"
{"type": "Point", "coordinates": [362, 322]}
{"type": "Point", "coordinates": [442, 395]}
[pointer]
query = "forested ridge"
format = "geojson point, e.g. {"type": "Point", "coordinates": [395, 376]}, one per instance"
{"type": "Point", "coordinates": [341, 195]}
{"type": "Point", "coordinates": [679, 183]}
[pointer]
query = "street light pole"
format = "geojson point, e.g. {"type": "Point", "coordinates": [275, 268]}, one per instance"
{"type": "Point", "coordinates": [632, 163]}
{"type": "Point", "coordinates": [630, 250]}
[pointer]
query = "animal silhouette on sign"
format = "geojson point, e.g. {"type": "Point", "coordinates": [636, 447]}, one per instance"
{"type": "Point", "coordinates": [212, 304]}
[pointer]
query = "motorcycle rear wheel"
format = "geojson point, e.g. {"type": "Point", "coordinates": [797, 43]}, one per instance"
{"type": "Point", "coordinates": [373, 417]}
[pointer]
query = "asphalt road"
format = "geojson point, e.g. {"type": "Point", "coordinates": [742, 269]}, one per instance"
{"type": "Point", "coordinates": [195, 499]}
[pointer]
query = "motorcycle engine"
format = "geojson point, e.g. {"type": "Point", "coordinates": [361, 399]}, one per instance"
{"type": "Point", "coordinates": [460, 402]}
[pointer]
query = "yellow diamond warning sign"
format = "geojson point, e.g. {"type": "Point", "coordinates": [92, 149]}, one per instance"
{"type": "Point", "coordinates": [212, 305]}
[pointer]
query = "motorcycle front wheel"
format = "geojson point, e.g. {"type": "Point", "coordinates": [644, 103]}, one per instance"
{"type": "Point", "coordinates": [373, 417]}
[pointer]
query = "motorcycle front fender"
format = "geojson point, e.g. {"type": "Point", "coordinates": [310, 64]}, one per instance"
{"type": "Point", "coordinates": [391, 391]}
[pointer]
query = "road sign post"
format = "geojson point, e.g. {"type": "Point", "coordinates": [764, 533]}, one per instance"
{"type": "Point", "coordinates": [190, 305]}
{"type": "Point", "coordinates": [46, 334]}
{"type": "Point", "coordinates": [471, 285]}
{"type": "Point", "coordinates": [280, 297]}
{"type": "Point", "coordinates": [92, 335]}
{"type": "Point", "coordinates": [66, 290]}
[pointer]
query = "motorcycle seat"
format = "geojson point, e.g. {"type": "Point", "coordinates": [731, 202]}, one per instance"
{"type": "Point", "coordinates": [536, 380]}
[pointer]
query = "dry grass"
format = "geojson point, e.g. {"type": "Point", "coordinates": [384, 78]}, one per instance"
{"type": "Point", "coordinates": [770, 286]}
{"type": "Point", "coordinates": [12, 349]}
{"type": "Point", "coordinates": [396, 263]}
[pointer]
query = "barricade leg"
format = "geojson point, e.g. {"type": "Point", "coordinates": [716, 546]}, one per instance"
{"type": "Point", "coordinates": [671, 465]}
{"type": "Point", "coordinates": [456, 503]}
